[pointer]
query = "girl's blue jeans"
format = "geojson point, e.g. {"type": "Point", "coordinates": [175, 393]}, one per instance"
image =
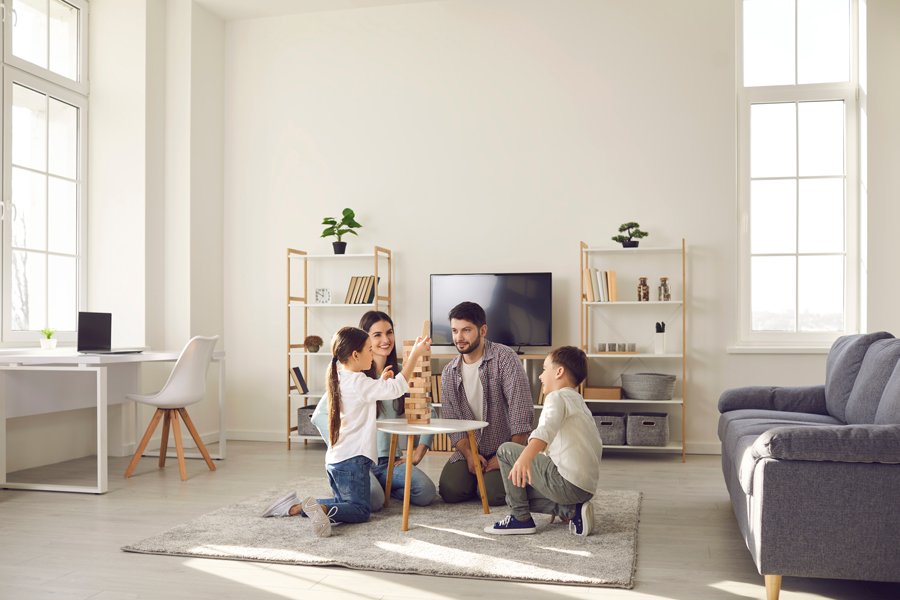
{"type": "Point", "coordinates": [350, 482]}
{"type": "Point", "coordinates": [421, 492]}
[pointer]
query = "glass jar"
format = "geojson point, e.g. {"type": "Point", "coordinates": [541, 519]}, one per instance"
{"type": "Point", "coordinates": [643, 290]}
{"type": "Point", "coordinates": [665, 294]}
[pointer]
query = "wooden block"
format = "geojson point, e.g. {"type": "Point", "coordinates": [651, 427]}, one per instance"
{"type": "Point", "coordinates": [418, 382]}
{"type": "Point", "coordinates": [418, 411]}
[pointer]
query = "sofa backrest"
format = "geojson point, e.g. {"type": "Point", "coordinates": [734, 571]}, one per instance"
{"type": "Point", "coordinates": [874, 373]}
{"type": "Point", "coordinates": [888, 412]}
{"type": "Point", "coordinates": [842, 367]}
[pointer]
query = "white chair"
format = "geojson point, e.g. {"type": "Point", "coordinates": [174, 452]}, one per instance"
{"type": "Point", "coordinates": [186, 386]}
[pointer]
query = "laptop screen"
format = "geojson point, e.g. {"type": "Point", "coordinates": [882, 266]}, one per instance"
{"type": "Point", "coordinates": [94, 331]}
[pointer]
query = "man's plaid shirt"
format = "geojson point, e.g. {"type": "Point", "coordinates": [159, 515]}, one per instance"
{"type": "Point", "coordinates": [508, 406]}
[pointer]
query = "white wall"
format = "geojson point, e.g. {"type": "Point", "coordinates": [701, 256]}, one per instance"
{"type": "Point", "coordinates": [479, 137]}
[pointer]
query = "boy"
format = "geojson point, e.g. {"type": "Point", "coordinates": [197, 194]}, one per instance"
{"type": "Point", "coordinates": [558, 471]}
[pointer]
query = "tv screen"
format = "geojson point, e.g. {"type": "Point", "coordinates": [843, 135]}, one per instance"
{"type": "Point", "coordinates": [518, 306]}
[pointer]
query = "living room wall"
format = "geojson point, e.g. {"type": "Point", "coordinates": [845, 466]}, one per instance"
{"type": "Point", "coordinates": [484, 136]}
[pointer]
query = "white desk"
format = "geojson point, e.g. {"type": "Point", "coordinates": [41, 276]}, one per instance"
{"type": "Point", "coordinates": [34, 382]}
{"type": "Point", "coordinates": [397, 427]}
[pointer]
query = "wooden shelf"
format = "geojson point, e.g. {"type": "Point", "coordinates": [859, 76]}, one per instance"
{"type": "Point", "coordinates": [632, 401]}
{"type": "Point", "coordinates": [635, 302]}
{"type": "Point", "coordinates": [670, 447]}
{"type": "Point", "coordinates": [303, 305]}
{"type": "Point", "coordinates": [638, 250]}
{"type": "Point", "coordinates": [643, 355]}
{"type": "Point", "coordinates": [330, 256]}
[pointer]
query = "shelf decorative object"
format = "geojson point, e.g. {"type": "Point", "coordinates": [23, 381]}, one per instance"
{"type": "Point", "coordinates": [665, 294]}
{"type": "Point", "coordinates": [340, 228]}
{"type": "Point", "coordinates": [631, 230]}
{"type": "Point", "coordinates": [659, 339]}
{"type": "Point", "coordinates": [47, 342]}
{"type": "Point", "coordinates": [312, 343]}
{"type": "Point", "coordinates": [323, 296]}
{"type": "Point", "coordinates": [643, 290]}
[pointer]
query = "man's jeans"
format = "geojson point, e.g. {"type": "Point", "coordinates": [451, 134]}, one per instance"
{"type": "Point", "coordinates": [548, 493]}
{"type": "Point", "coordinates": [350, 481]}
{"type": "Point", "coordinates": [421, 492]}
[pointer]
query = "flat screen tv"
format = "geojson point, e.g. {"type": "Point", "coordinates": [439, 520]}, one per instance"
{"type": "Point", "coordinates": [518, 306]}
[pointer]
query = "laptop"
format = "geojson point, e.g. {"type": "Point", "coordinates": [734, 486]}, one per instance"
{"type": "Point", "coordinates": [95, 335]}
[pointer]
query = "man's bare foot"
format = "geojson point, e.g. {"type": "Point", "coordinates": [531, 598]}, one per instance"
{"type": "Point", "coordinates": [295, 510]}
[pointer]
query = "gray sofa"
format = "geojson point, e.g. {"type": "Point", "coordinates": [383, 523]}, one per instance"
{"type": "Point", "coordinates": [814, 472]}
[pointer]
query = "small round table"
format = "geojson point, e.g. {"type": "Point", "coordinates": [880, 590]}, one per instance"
{"type": "Point", "coordinates": [398, 427]}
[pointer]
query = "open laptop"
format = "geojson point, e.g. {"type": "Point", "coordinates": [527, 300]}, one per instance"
{"type": "Point", "coordinates": [95, 335]}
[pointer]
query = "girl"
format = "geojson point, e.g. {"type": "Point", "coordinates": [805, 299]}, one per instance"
{"type": "Point", "coordinates": [352, 397]}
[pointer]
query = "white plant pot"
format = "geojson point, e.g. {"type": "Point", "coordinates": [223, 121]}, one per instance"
{"type": "Point", "coordinates": [660, 343]}
{"type": "Point", "coordinates": [48, 344]}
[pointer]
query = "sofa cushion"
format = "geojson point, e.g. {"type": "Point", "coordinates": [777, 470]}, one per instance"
{"type": "Point", "coordinates": [801, 399]}
{"type": "Point", "coordinates": [864, 443]}
{"type": "Point", "coordinates": [772, 415]}
{"type": "Point", "coordinates": [888, 412]}
{"type": "Point", "coordinates": [874, 373]}
{"type": "Point", "coordinates": [842, 367]}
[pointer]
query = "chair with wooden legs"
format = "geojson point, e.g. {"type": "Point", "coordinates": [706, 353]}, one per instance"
{"type": "Point", "coordinates": [186, 386]}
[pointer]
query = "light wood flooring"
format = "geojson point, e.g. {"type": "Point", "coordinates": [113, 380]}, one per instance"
{"type": "Point", "coordinates": [66, 546]}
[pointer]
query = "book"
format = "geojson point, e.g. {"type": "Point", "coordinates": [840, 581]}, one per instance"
{"type": "Point", "coordinates": [588, 288]}
{"type": "Point", "coordinates": [594, 284]}
{"type": "Point", "coordinates": [364, 291]}
{"type": "Point", "coordinates": [354, 299]}
{"type": "Point", "coordinates": [299, 382]}
{"type": "Point", "coordinates": [604, 284]}
{"type": "Point", "coordinates": [350, 290]}
{"type": "Point", "coordinates": [613, 287]}
{"type": "Point", "coordinates": [374, 290]}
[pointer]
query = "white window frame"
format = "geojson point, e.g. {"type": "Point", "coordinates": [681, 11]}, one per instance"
{"type": "Point", "coordinates": [846, 92]}
{"type": "Point", "coordinates": [81, 85]}
{"type": "Point", "coordinates": [17, 70]}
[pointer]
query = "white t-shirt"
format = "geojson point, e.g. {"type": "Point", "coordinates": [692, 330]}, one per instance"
{"type": "Point", "coordinates": [473, 387]}
{"type": "Point", "coordinates": [359, 395]}
{"type": "Point", "coordinates": [573, 442]}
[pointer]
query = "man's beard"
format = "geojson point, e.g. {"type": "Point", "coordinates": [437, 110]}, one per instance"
{"type": "Point", "coordinates": [471, 347]}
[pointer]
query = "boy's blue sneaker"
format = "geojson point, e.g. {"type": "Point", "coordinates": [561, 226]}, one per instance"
{"type": "Point", "coordinates": [511, 526]}
{"type": "Point", "coordinates": [583, 521]}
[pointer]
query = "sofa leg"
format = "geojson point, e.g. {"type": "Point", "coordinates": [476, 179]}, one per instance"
{"type": "Point", "coordinates": [773, 586]}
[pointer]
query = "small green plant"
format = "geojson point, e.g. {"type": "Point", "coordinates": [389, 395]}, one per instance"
{"type": "Point", "coordinates": [48, 333]}
{"type": "Point", "coordinates": [340, 228]}
{"type": "Point", "coordinates": [661, 327]}
{"type": "Point", "coordinates": [631, 231]}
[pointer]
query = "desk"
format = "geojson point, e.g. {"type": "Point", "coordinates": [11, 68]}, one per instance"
{"type": "Point", "coordinates": [400, 427]}
{"type": "Point", "coordinates": [62, 386]}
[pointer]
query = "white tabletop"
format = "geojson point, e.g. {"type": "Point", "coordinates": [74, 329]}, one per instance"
{"type": "Point", "coordinates": [70, 356]}
{"type": "Point", "coordinates": [401, 427]}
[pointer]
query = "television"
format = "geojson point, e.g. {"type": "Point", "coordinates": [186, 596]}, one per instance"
{"type": "Point", "coordinates": [518, 306]}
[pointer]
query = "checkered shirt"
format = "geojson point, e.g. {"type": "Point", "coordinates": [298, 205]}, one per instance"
{"type": "Point", "coordinates": [508, 405]}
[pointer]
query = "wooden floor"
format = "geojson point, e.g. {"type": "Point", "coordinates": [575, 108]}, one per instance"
{"type": "Point", "coordinates": [66, 546]}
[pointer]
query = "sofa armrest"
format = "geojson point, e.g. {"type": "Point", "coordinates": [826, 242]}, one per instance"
{"type": "Point", "coordinates": [836, 443]}
{"type": "Point", "coordinates": [805, 399]}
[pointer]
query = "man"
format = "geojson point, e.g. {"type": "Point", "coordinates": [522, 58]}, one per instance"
{"type": "Point", "coordinates": [486, 382]}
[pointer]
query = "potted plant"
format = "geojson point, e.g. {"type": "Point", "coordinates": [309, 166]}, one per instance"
{"type": "Point", "coordinates": [632, 235]}
{"type": "Point", "coordinates": [47, 342]}
{"type": "Point", "coordinates": [660, 341]}
{"type": "Point", "coordinates": [313, 343]}
{"type": "Point", "coordinates": [338, 228]}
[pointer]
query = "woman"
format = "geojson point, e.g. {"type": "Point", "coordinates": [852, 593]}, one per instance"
{"type": "Point", "coordinates": [422, 491]}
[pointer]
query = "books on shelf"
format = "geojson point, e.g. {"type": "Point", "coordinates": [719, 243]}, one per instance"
{"type": "Point", "coordinates": [299, 383]}
{"type": "Point", "coordinates": [362, 290]}
{"type": "Point", "coordinates": [600, 286]}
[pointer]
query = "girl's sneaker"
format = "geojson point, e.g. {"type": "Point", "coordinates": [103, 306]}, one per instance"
{"type": "Point", "coordinates": [583, 521]}
{"type": "Point", "coordinates": [318, 519]}
{"type": "Point", "coordinates": [282, 506]}
{"type": "Point", "coordinates": [512, 526]}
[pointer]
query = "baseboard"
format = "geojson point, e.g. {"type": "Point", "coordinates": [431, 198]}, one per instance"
{"type": "Point", "coordinates": [256, 436]}
{"type": "Point", "coordinates": [703, 448]}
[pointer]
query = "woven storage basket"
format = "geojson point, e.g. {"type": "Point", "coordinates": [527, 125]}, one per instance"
{"type": "Point", "coordinates": [611, 426]}
{"type": "Point", "coordinates": [304, 423]}
{"type": "Point", "coordinates": [647, 429]}
{"type": "Point", "coordinates": [648, 386]}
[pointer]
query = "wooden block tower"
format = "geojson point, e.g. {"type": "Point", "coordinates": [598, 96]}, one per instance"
{"type": "Point", "coordinates": [417, 409]}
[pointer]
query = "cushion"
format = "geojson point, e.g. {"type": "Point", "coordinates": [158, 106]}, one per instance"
{"type": "Point", "coordinates": [841, 368]}
{"type": "Point", "coordinates": [804, 399]}
{"type": "Point", "coordinates": [888, 412]}
{"type": "Point", "coordinates": [877, 368]}
{"type": "Point", "coordinates": [842, 443]}
{"type": "Point", "coordinates": [776, 415]}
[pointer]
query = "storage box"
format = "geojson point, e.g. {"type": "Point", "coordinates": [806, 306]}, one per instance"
{"type": "Point", "coordinates": [647, 429]}
{"type": "Point", "coordinates": [602, 393]}
{"type": "Point", "coordinates": [304, 424]}
{"type": "Point", "coordinates": [611, 426]}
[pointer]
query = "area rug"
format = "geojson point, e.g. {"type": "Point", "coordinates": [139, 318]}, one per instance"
{"type": "Point", "coordinates": [445, 540]}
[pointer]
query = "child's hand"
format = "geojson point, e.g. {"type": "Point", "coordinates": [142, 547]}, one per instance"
{"type": "Point", "coordinates": [520, 474]}
{"type": "Point", "coordinates": [422, 345]}
{"type": "Point", "coordinates": [388, 373]}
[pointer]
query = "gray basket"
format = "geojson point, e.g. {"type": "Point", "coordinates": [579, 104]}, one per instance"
{"type": "Point", "coordinates": [648, 386]}
{"type": "Point", "coordinates": [304, 424]}
{"type": "Point", "coordinates": [647, 429]}
{"type": "Point", "coordinates": [611, 426]}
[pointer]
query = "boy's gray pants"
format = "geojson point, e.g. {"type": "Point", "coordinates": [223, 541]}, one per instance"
{"type": "Point", "coordinates": [548, 493]}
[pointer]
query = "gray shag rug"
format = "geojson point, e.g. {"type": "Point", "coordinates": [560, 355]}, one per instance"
{"type": "Point", "coordinates": [444, 540]}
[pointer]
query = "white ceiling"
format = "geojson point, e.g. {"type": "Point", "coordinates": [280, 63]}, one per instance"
{"type": "Point", "coordinates": [230, 10]}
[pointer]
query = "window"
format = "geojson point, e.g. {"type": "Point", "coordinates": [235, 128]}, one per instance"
{"type": "Point", "coordinates": [44, 149]}
{"type": "Point", "coordinates": [799, 227]}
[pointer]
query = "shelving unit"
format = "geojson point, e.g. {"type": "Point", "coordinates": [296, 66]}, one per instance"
{"type": "Point", "coordinates": [588, 310]}
{"type": "Point", "coordinates": [294, 257]}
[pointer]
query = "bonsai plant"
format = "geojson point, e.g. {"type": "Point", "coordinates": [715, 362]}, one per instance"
{"type": "Point", "coordinates": [632, 235]}
{"type": "Point", "coordinates": [339, 228]}
{"type": "Point", "coordinates": [313, 343]}
{"type": "Point", "coordinates": [47, 342]}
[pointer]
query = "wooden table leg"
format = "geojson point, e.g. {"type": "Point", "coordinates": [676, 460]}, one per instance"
{"type": "Point", "coordinates": [406, 486]}
{"type": "Point", "coordinates": [390, 471]}
{"type": "Point", "coordinates": [474, 446]}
